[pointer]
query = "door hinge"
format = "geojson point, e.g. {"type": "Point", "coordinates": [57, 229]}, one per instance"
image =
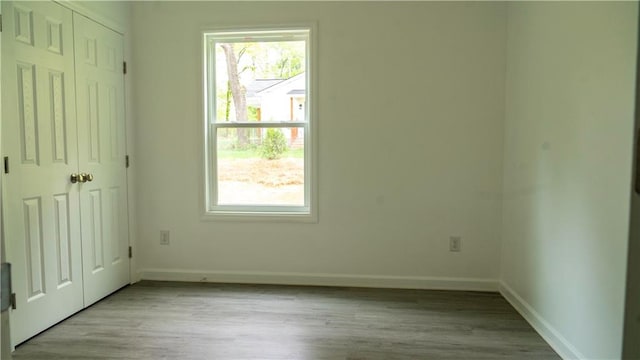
{"type": "Point", "coordinates": [6, 164]}
{"type": "Point", "coordinates": [5, 287]}
{"type": "Point", "coordinates": [126, 161]}
{"type": "Point", "coordinates": [130, 252]}
{"type": "Point", "coordinates": [124, 67]}
{"type": "Point", "coordinates": [13, 301]}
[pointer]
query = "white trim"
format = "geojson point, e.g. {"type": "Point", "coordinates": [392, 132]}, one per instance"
{"type": "Point", "coordinates": [211, 211]}
{"type": "Point", "coordinates": [350, 280]}
{"type": "Point", "coordinates": [240, 36]}
{"type": "Point", "coordinates": [260, 124]}
{"type": "Point", "coordinates": [553, 337]}
{"type": "Point", "coordinates": [271, 216]}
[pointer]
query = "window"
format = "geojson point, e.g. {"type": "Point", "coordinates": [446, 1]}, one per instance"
{"type": "Point", "coordinates": [258, 123]}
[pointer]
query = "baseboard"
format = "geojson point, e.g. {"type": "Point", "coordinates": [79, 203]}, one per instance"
{"type": "Point", "coordinates": [552, 336]}
{"type": "Point", "coordinates": [378, 281]}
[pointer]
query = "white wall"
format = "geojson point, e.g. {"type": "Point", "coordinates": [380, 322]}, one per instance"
{"type": "Point", "coordinates": [567, 169]}
{"type": "Point", "coordinates": [410, 138]}
{"type": "Point", "coordinates": [113, 14]}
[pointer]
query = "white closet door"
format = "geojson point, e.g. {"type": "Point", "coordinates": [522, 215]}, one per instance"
{"type": "Point", "coordinates": [39, 136]}
{"type": "Point", "coordinates": [101, 144]}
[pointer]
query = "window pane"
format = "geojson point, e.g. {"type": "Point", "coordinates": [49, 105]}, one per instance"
{"type": "Point", "coordinates": [260, 81]}
{"type": "Point", "coordinates": [260, 166]}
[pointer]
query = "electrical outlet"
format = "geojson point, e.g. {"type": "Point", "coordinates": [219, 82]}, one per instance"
{"type": "Point", "coordinates": [164, 237]}
{"type": "Point", "coordinates": [455, 243]}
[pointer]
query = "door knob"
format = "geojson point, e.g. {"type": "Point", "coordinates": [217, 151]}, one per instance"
{"type": "Point", "coordinates": [81, 178]}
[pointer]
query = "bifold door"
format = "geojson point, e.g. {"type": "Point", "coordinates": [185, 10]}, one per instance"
{"type": "Point", "coordinates": [101, 140]}
{"type": "Point", "coordinates": [64, 142]}
{"type": "Point", "coordinates": [41, 212]}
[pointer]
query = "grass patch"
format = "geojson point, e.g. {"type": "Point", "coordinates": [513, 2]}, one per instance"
{"type": "Point", "coordinates": [255, 153]}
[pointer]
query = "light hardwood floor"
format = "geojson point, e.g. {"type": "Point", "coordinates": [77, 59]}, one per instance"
{"type": "Point", "coordinates": [165, 320]}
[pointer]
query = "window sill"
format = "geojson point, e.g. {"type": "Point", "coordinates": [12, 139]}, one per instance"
{"type": "Point", "coordinates": [246, 216]}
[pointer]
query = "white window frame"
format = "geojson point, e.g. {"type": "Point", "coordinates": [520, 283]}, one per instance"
{"type": "Point", "coordinates": [214, 211]}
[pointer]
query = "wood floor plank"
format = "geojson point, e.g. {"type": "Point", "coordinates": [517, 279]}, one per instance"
{"type": "Point", "coordinates": [168, 320]}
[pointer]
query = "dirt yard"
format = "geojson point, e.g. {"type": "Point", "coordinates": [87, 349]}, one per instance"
{"type": "Point", "coordinates": [272, 173]}
{"type": "Point", "coordinates": [261, 181]}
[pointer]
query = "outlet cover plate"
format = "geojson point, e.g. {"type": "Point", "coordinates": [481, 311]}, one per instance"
{"type": "Point", "coordinates": [455, 243]}
{"type": "Point", "coordinates": [164, 237]}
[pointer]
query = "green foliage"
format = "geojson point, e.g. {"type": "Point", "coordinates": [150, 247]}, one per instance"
{"type": "Point", "coordinates": [290, 60]}
{"type": "Point", "coordinates": [252, 113]}
{"type": "Point", "coordinates": [273, 145]}
{"type": "Point", "coordinates": [227, 110]}
{"type": "Point", "coordinates": [273, 60]}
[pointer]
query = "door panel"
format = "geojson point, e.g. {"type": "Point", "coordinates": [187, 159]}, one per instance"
{"type": "Point", "coordinates": [41, 206]}
{"type": "Point", "coordinates": [101, 143]}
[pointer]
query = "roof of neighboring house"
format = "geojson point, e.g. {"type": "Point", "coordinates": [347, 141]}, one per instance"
{"type": "Point", "coordinates": [258, 85]}
{"type": "Point", "coordinates": [282, 85]}
{"type": "Point", "coordinates": [267, 85]}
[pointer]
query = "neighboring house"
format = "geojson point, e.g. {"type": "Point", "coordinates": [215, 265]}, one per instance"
{"type": "Point", "coordinates": [280, 100]}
